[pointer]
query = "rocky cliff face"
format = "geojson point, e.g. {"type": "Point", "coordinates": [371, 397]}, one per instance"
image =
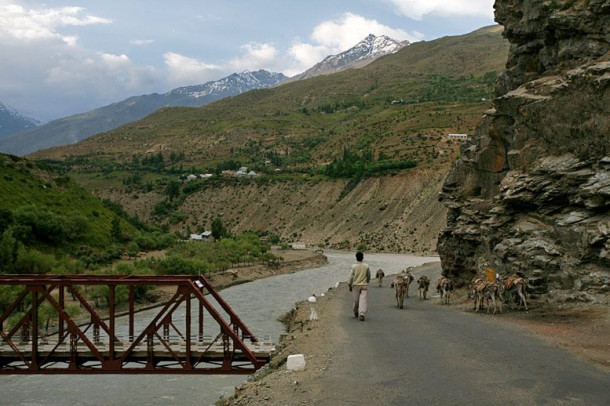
{"type": "Point", "coordinates": [531, 192]}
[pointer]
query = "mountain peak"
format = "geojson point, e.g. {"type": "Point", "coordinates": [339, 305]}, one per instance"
{"type": "Point", "coordinates": [231, 85]}
{"type": "Point", "coordinates": [363, 53]}
{"type": "Point", "coordinates": [11, 121]}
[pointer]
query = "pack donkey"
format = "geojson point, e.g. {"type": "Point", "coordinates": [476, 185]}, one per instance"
{"type": "Point", "coordinates": [423, 283]}
{"type": "Point", "coordinates": [444, 286]}
{"type": "Point", "coordinates": [379, 275]}
{"type": "Point", "coordinates": [406, 274]}
{"type": "Point", "coordinates": [516, 286]}
{"type": "Point", "coordinates": [400, 285]}
{"type": "Point", "coordinates": [483, 290]}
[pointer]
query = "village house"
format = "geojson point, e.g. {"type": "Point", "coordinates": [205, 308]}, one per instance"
{"type": "Point", "coordinates": [244, 173]}
{"type": "Point", "coordinates": [461, 137]}
{"type": "Point", "coordinates": [206, 235]}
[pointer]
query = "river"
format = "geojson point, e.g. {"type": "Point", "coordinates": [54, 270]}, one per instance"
{"type": "Point", "coordinates": [258, 304]}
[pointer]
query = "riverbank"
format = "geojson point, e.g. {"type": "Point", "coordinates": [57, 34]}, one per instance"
{"type": "Point", "coordinates": [291, 261]}
{"type": "Point", "coordinates": [583, 329]}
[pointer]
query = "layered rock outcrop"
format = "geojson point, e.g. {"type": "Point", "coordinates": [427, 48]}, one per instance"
{"type": "Point", "coordinates": [531, 192]}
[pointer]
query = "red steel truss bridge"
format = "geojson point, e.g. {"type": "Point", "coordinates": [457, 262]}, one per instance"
{"type": "Point", "coordinates": [194, 332]}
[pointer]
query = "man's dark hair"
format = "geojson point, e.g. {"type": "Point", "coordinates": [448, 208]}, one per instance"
{"type": "Point", "coordinates": [359, 256]}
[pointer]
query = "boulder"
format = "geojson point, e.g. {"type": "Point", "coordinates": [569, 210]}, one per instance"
{"type": "Point", "coordinates": [296, 362]}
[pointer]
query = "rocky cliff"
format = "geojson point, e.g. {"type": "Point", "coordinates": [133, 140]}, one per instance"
{"type": "Point", "coordinates": [531, 192]}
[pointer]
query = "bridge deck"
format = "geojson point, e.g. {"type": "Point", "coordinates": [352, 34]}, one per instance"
{"type": "Point", "coordinates": [56, 358]}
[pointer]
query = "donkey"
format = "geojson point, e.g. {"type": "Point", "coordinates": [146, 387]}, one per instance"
{"type": "Point", "coordinates": [515, 284]}
{"type": "Point", "coordinates": [472, 292]}
{"type": "Point", "coordinates": [484, 290]}
{"type": "Point", "coordinates": [400, 285]}
{"type": "Point", "coordinates": [444, 286]}
{"type": "Point", "coordinates": [406, 274]}
{"type": "Point", "coordinates": [422, 287]}
{"type": "Point", "coordinates": [379, 275]}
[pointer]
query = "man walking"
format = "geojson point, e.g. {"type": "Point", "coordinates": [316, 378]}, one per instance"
{"type": "Point", "coordinates": [358, 284]}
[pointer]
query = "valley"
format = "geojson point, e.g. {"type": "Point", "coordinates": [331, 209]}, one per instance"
{"type": "Point", "coordinates": [355, 158]}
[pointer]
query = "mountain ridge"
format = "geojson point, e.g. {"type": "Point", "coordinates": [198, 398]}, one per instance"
{"type": "Point", "coordinates": [12, 121]}
{"type": "Point", "coordinates": [69, 130]}
{"type": "Point", "coordinates": [74, 128]}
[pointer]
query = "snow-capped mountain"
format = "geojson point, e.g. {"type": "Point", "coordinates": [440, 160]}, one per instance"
{"type": "Point", "coordinates": [11, 121]}
{"type": "Point", "coordinates": [231, 85]}
{"type": "Point", "coordinates": [363, 53]}
{"type": "Point", "coordinates": [69, 130]}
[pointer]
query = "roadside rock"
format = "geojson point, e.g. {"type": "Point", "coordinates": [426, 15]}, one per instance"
{"type": "Point", "coordinates": [531, 193]}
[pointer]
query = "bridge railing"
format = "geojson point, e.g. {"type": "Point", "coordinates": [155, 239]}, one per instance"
{"type": "Point", "coordinates": [172, 340]}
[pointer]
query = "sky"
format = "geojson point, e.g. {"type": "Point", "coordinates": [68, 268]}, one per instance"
{"type": "Point", "coordinates": [64, 57]}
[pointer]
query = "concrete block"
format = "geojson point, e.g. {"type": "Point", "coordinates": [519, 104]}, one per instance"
{"type": "Point", "coordinates": [296, 362]}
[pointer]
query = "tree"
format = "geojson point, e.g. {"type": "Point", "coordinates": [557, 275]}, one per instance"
{"type": "Point", "coordinates": [115, 230]}
{"type": "Point", "coordinates": [173, 190]}
{"type": "Point", "coordinates": [6, 219]}
{"type": "Point", "coordinates": [133, 249]}
{"type": "Point", "coordinates": [8, 251]}
{"type": "Point", "coordinates": [218, 229]}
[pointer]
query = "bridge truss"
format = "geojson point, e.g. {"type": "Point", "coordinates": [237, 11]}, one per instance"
{"type": "Point", "coordinates": [171, 339]}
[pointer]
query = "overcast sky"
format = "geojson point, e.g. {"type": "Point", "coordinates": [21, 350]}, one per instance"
{"type": "Point", "coordinates": [63, 57]}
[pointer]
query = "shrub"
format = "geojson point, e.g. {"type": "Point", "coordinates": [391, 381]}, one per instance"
{"type": "Point", "coordinates": [33, 262]}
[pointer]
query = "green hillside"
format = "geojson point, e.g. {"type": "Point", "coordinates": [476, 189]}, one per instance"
{"type": "Point", "coordinates": [48, 221]}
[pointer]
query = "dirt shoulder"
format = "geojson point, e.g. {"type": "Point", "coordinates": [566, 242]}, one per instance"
{"type": "Point", "coordinates": [581, 328]}
{"type": "Point", "coordinates": [317, 339]}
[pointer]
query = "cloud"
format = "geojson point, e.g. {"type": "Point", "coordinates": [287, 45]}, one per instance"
{"type": "Point", "coordinates": [30, 24]}
{"type": "Point", "coordinates": [335, 36]}
{"type": "Point", "coordinates": [115, 60]}
{"type": "Point", "coordinates": [50, 75]}
{"type": "Point", "coordinates": [417, 9]}
{"type": "Point", "coordinates": [183, 70]}
{"type": "Point", "coordinates": [307, 55]}
{"type": "Point", "coordinates": [141, 42]}
{"type": "Point", "coordinates": [342, 34]}
{"type": "Point", "coordinates": [99, 76]}
{"type": "Point", "coordinates": [255, 56]}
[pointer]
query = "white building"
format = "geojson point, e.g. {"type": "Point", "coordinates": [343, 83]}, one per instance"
{"type": "Point", "coordinates": [461, 137]}
{"type": "Point", "coordinates": [201, 237]}
{"type": "Point", "coordinates": [243, 171]}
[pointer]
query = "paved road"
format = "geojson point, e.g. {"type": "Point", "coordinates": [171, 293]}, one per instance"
{"type": "Point", "coordinates": [432, 354]}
